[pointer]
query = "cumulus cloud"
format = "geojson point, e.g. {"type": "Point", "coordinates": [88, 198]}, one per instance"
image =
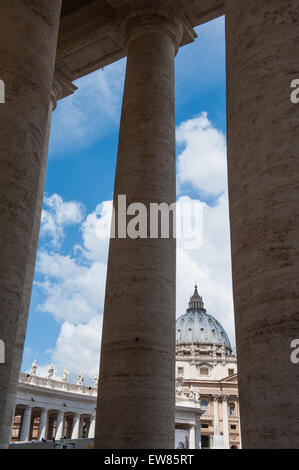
{"type": "Point", "coordinates": [57, 215]}
{"type": "Point", "coordinates": [78, 348]}
{"type": "Point", "coordinates": [209, 266]}
{"type": "Point", "coordinates": [96, 231]}
{"type": "Point", "coordinates": [73, 285]}
{"type": "Point", "coordinates": [202, 162]}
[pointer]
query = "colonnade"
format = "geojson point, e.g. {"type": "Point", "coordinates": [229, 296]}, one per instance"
{"type": "Point", "coordinates": [137, 372]}
{"type": "Point", "coordinates": [51, 424]}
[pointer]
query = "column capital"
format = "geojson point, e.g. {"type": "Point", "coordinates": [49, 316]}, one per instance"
{"type": "Point", "coordinates": [28, 407]}
{"type": "Point", "coordinates": [62, 85]}
{"type": "Point", "coordinates": [163, 16]}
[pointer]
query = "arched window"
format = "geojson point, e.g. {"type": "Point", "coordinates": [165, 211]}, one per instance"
{"type": "Point", "coordinates": [232, 409]}
{"type": "Point", "coordinates": [204, 406]}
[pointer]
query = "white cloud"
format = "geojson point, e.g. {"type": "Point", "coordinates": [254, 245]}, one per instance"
{"type": "Point", "coordinates": [73, 292]}
{"type": "Point", "coordinates": [73, 286]}
{"type": "Point", "coordinates": [95, 232]}
{"type": "Point", "coordinates": [202, 163]}
{"type": "Point", "coordinates": [78, 348]}
{"type": "Point", "coordinates": [57, 215]}
{"type": "Point", "coordinates": [209, 266]}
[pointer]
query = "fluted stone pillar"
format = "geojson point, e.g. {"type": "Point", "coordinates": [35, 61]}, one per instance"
{"type": "Point", "coordinates": [136, 398]}
{"type": "Point", "coordinates": [42, 431]}
{"type": "Point", "coordinates": [92, 425]}
{"type": "Point", "coordinates": [25, 424]}
{"type": "Point", "coordinates": [263, 141]}
{"type": "Point", "coordinates": [59, 425]}
{"type": "Point", "coordinates": [27, 67]}
{"type": "Point", "coordinates": [76, 426]}
{"type": "Point", "coordinates": [225, 422]}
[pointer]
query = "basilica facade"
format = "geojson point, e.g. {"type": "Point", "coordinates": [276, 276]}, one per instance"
{"type": "Point", "coordinates": [206, 414]}
{"type": "Point", "coordinates": [206, 374]}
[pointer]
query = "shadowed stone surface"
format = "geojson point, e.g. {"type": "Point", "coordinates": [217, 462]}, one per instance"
{"type": "Point", "coordinates": [136, 403]}
{"type": "Point", "coordinates": [263, 143]}
{"type": "Point", "coordinates": [28, 37]}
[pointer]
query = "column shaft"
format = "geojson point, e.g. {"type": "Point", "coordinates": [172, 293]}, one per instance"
{"type": "Point", "coordinates": [92, 426]}
{"type": "Point", "coordinates": [263, 141]}
{"type": "Point", "coordinates": [192, 443]}
{"type": "Point", "coordinates": [137, 371]}
{"type": "Point", "coordinates": [23, 123]}
{"type": "Point", "coordinates": [42, 432]}
{"type": "Point", "coordinates": [225, 423]}
{"type": "Point", "coordinates": [76, 426]}
{"type": "Point", "coordinates": [59, 425]}
{"type": "Point", "coordinates": [25, 424]}
{"type": "Point", "coordinates": [216, 415]}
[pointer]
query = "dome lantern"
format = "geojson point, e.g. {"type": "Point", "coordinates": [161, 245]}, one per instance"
{"type": "Point", "coordinates": [196, 302]}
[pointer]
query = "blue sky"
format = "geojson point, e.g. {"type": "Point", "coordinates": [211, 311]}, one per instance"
{"type": "Point", "coordinates": [67, 300]}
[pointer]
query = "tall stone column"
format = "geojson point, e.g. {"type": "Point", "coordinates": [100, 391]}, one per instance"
{"type": "Point", "coordinates": [137, 371]}
{"type": "Point", "coordinates": [263, 141]}
{"type": "Point", "coordinates": [225, 422]}
{"type": "Point", "coordinates": [27, 67]}
{"type": "Point", "coordinates": [92, 425]}
{"type": "Point", "coordinates": [42, 432]}
{"type": "Point", "coordinates": [25, 424]}
{"type": "Point", "coordinates": [76, 426]}
{"type": "Point", "coordinates": [59, 425]}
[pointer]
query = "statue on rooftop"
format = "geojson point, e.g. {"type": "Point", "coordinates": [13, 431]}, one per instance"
{"type": "Point", "coordinates": [65, 375]}
{"type": "Point", "coordinates": [50, 371]}
{"type": "Point", "coordinates": [33, 368]}
{"type": "Point", "coordinates": [80, 378]}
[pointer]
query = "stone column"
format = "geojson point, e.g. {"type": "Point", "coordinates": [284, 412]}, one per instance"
{"type": "Point", "coordinates": [225, 422]}
{"type": "Point", "coordinates": [50, 428]}
{"type": "Point", "coordinates": [192, 443]}
{"type": "Point", "coordinates": [59, 425]}
{"type": "Point", "coordinates": [42, 432]}
{"type": "Point", "coordinates": [216, 415]}
{"type": "Point", "coordinates": [25, 425]}
{"type": "Point", "coordinates": [263, 141]}
{"type": "Point", "coordinates": [27, 67]}
{"type": "Point", "coordinates": [137, 371]}
{"type": "Point", "coordinates": [198, 435]}
{"type": "Point", "coordinates": [76, 426]}
{"type": "Point", "coordinates": [92, 425]}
